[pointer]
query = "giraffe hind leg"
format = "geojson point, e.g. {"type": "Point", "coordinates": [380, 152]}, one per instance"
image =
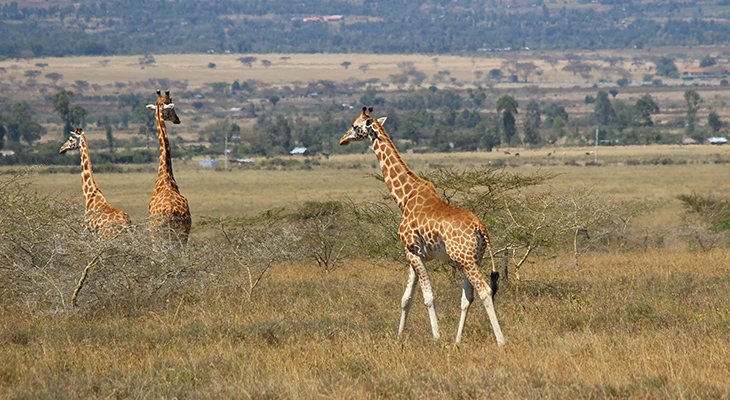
{"type": "Point", "coordinates": [467, 297]}
{"type": "Point", "coordinates": [406, 301]}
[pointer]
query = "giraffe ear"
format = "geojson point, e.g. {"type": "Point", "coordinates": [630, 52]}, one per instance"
{"type": "Point", "coordinates": [381, 120]}
{"type": "Point", "coordinates": [151, 106]}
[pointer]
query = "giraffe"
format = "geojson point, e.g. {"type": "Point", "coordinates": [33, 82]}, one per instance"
{"type": "Point", "coordinates": [169, 212]}
{"type": "Point", "coordinates": [430, 229]}
{"type": "Point", "coordinates": [101, 218]}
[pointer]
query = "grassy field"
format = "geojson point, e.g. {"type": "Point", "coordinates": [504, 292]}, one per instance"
{"type": "Point", "coordinates": [647, 323]}
{"type": "Point", "coordinates": [643, 325]}
{"type": "Point", "coordinates": [661, 173]}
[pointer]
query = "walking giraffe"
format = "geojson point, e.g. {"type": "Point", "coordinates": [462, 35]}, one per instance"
{"type": "Point", "coordinates": [101, 218]}
{"type": "Point", "coordinates": [169, 213]}
{"type": "Point", "coordinates": [430, 229]}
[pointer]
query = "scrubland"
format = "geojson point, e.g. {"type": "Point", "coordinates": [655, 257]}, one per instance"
{"type": "Point", "coordinates": [647, 320]}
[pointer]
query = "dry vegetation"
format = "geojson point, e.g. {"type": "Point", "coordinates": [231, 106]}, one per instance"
{"type": "Point", "coordinates": [648, 320]}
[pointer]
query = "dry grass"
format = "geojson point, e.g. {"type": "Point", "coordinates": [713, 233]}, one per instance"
{"type": "Point", "coordinates": [248, 191]}
{"type": "Point", "coordinates": [643, 324]}
{"type": "Point", "coordinates": [646, 325]}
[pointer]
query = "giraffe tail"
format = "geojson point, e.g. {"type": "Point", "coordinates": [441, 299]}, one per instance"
{"type": "Point", "coordinates": [494, 276]}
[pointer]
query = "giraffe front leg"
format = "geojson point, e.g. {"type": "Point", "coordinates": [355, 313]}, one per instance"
{"type": "Point", "coordinates": [405, 303]}
{"type": "Point", "coordinates": [420, 269]}
{"type": "Point", "coordinates": [467, 297]}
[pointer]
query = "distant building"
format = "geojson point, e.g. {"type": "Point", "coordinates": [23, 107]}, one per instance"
{"type": "Point", "coordinates": [716, 140]}
{"type": "Point", "coordinates": [299, 151]}
{"type": "Point", "coordinates": [209, 163]}
{"type": "Point", "coordinates": [705, 72]}
{"type": "Point", "coordinates": [687, 140]}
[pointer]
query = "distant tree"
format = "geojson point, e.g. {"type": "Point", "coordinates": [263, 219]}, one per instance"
{"type": "Point", "coordinates": [81, 85]}
{"type": "Point", "coordinates": [665, 67]}
{"type": "Point", "coordinates": [692, 99]}
{"type": "Point", "coordinates": [524, 70]}
{"type": "Point", "coordinates": [274, 99]}
{"type": "Point", "coordinates": [211, 65]}
{"type": "Point", "coordinates": [558, 129]}
{"type": "Point", "coordinates": [507, 105]}
{"type": "Point", "coordinates": [364, 68]}
{"type": "Point", "coordinates": [147, 119]}
{"type": "Point", "coordinates": [714, 121]}
{"type": "Point", "coordinates": [54, 77]}
{"type": "Point", "coordinates": [266, 63]}
{"type": "Point", "coordinates": [77, 115]}
{"type": "Point", "coordinates": [603, 111]}
{"type": "Point", "coordinates": [236, 86]}
{"type": "Point", "coordinates": [62, 105]}
{"type": "Point", "coordinates": [552, 112]}
{"type": "Point", "coordinates": [147, 59]}
{"type": "Point", "coordinates": [532, 114]}
{"type": "Point", "coordinates": [20, 124]}
{"type": "Point", "coordinates": [369, 97]}
{"type": "Point", "coordinates": [345, 64]}
{"type": "Point", "coordinates": [130, 100]}
{"type": "Point", "coordinates": [248, 60]}
{"type": "Point", "coordinates": [532, 134]}
{"type": "Point", "coordinates": [613, 93]}
{"type": "Point", "coordinates": [578, 68]}
{"type": "Point", "coordinates": [646, 106]}
{"type": "Point", "coordinates": [623, 82]}
{"type": "Point", "coordinates": [707, 61]}
{"type": "Point", "coordinates": [284, 59]}
{"type": "Point", "coordinates": [477, 96]}
{"type": "Point", "coordinates": [109, 136]}
{"type": "Point", "coordinates": [32, 73]}
{"type": "Point", "coordinates": [495, 74]}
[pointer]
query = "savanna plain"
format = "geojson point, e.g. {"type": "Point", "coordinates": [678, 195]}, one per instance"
{"type": "Point", "coordinates": [250, 310]}
{"type": "Point", "coordinates": [649, 321]}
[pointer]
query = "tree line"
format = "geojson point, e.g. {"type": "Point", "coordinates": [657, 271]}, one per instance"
{"type": "Point", "coordinates": [107, 28]}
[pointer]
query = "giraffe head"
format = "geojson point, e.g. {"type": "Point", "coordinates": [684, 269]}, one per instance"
{"type": "Point", "coordinates": [364, 126]}
{"type": "Point", "coordinates": [168, 108]}
{"type": "Point", "coordinates": [74, 141]}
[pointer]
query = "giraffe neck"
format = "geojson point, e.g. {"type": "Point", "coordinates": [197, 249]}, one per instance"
{"type": "Point", "coordinates": [164, 172]}
{"type": "Point", "coordinates": [92, 194]}
{"type": "Point", "coordinates": [402, 183]}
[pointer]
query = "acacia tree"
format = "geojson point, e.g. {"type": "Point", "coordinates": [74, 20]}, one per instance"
{"type": "Point", "coordinates": [524, 70]}
{"type": "Point", "coordinates": [248, 60]}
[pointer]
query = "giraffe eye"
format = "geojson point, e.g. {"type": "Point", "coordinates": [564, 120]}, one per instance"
{"type": "Point", "coordinates": [369, 122]}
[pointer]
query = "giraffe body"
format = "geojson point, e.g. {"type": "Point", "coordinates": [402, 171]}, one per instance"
{"type": "Point", "coordinates": [101, 218]}
{"type": "Point", "coordinates": [169, 212]}
{"type": "Point", "coordinates": [430, 229]}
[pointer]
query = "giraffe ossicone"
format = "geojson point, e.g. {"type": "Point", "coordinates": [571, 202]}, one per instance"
{"type": "Point", "coordinates": [100, 218]}
{"type": "Point", "coordinates": [430, 229]}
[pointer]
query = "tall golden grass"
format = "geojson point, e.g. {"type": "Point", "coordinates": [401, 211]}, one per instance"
{"type": "Point", "coordinates": [641, 325]}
